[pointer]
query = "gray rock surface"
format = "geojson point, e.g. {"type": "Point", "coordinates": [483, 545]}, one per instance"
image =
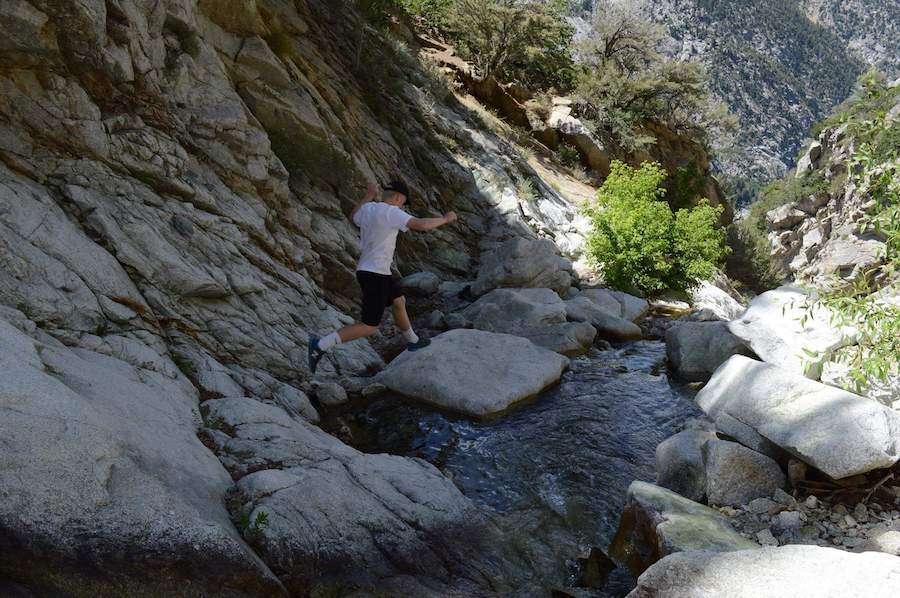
{"type": "Point", "coordinates": [523, 263]}
{"type": "Point", "coordinates": [837, 432]}
{"type": "Point", "coordinates": [680, 466]}
{"type": "Point", "coordinates": [536, 314]}
{"type": "Point", "coordinates": [696, 349]}
{"type": "Point", "coordinates": [781, 330]}
{"type": "Point", "coordinates": [629, 307]}
{"type": "Point", "coordinates": [422, 284]}
{"type": "Point", "coordinates": [735, 475]}
{"type": "Point", "coordinates": [709, 302]}
{"type": "Point", "coordinates": [785, 572]}
{"type": "Point", "coordinates": [608, 325]}
{"type": "Point", "coordinates": [657, 522]}
{"type": "Point", "coordinates": [474, 372]}
{"type": "Point", "coordinates": [105, 442]}
{"type": "Point", "coordinates": [886, 541]}
{"type": "Point", "coordinates": [333, 512]}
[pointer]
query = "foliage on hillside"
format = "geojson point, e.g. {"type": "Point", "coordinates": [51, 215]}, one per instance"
{"type": "Point", "coordinates": [640, 244]}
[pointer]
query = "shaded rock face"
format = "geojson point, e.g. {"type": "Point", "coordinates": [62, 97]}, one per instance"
{"type": "Point", "coordinates": [784, 572]}
{"type": "Point", "coordinates": [696, 349]}
{"type": "Point", "coordinates": [657, 522]}
{"type": "Point", "coordinates": [680, 464]}
{"type": "Point", "coordinates": [735, 475]}
{"type": "Point", "coordinates": [174, 183]}
{"type": "Point", "coordinates": [335, 516]}
{"type": "Point", "coordinates": [524, 264]}
{"type": "Point", "coordinates": [837, 432]}
{"type": "Point", "coordinates": [501, 369]}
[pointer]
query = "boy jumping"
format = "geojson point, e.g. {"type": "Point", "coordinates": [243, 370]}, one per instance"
{"type": "Point", "coordinates": [379, 223]}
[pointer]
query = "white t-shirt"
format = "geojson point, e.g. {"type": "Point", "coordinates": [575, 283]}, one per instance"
{"type": "Point", "coordinates": [379, 224]}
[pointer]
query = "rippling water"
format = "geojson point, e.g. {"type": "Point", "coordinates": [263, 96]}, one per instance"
{"type": "Point", "coordinates": [554, 470]}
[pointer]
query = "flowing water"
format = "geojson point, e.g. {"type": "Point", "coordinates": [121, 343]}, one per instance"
{"type": "Point", "coordinates": [554, 470]}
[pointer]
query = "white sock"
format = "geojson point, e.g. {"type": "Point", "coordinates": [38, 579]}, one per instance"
{"type": "Point", "coordinates": [410, 336]}
{"type": "Point", "coordinates": [327, 343]}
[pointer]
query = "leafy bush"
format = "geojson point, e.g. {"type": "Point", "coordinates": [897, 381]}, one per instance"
{"type": "Point", "coordinates": [640, 244]}
{"type": "Point", "coordinates": [522, 41]}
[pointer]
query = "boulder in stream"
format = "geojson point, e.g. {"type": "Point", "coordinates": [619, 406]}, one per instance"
{"type": "Point", "coordinates": [781, 329]}
{"type": "Point", "coordinates": [696, 349]}
{"type": "Point", "coordinates": [657, 522]}
{"type": "Point", "coordinates": [536, 314]}
{"type": "Point", "coordinates": [837, 432]}
{"type": "Point", "coordinates": [735, 475]}
{"type": "Point", "coordinates": [608, 325]}
{"type": "Point", "coordinates": [474, 372]}
{"type": "Point", "coordinates": [679, 463]}
{"type": "Point", "coordinates": [786, 572]}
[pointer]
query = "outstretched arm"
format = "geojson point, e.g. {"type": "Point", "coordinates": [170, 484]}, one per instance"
{"type": "Point", "coordinates": [423, 224]}
{"type": "Point", "coordinates": [371, 192]}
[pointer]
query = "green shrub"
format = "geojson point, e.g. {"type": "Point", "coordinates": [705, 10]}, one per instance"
{"type": "Point", "coordinates": [640, 244]}
{"type": "Point", "coordinates": [568, 155]}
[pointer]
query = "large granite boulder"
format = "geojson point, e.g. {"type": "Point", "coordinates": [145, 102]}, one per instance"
{"type": "Point", "coordinates": [781, 329]}
{"type": "Point", "coordinates": [837, 432]}
{"type": "Point", "coordinates": [474, 372]}
{"type": "Point", "coordinates": [735, 475]}
{"type": "Point", "coordinates": [104, 481]}
{"type": "Point", "coordinates": [335, 517]}
{"type": "Point", "coordinates": [785, 572]}
{"type": "Point", "coordinates": [680, 465]}
{"type": "Point", "coordinates": [710, 302]}
{"type": "Point", "coordinates": [523, 263]}
{"type": "Point", "coordinates": [696, 349]}
{"type": "Point", "coordinates": [618, 304]}
{"type": "Point", "coordinates": [657, 522]}
{"type": "Point", "coordinates": [602, 317]}
{"type": "Point", "coordinates": [536, 314]}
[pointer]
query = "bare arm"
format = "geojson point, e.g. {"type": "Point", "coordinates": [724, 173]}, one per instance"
{"type": "Point", "coordinates": [371, 192]}
{"type": "Point", "coordinates": [423, 224]}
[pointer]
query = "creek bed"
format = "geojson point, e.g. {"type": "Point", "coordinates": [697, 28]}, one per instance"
{"type": "Point", "coordinates": [554, 471]}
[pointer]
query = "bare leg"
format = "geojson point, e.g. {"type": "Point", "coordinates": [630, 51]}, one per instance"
{"type": "Point", "coordinates": [355, 331]}
{"type": "Point", "coordinates": [401, 318]}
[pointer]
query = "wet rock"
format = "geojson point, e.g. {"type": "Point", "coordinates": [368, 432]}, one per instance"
{"type": "Point", "coordinates": [609, 326]}
{"type": "Point", "coordinates": [523, 263]}
{"type": "Point", "coordinates": [330, 394]}
{"type": "Point", "coordinates": [421, 284]}
{"type": "Point", "coordinates": [696, 349]}
{"type": "Point", "coordinates": [781, 330]}
{"type": "Point", "coordinates": [785, 572]}
{"type": "Point", "coordinates": [474, 372]}
{"type": "Point", "coordinates": [595, 569]}
{"type": "Point", "coordinates": [816, 423]}
{"type": "Point", "coordinates": [536, 314]}
{"type": "Point", "coordinates": [735, 475]}
{"type": "Point", "coordinates": [329, 507]}
{"type": "Point", "coordinates": [680, 466]}
{"type": "Point", "coordinates": [657, 522]}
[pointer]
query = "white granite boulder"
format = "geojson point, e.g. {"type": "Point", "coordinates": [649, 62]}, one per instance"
{"type": "Point", "coordinates": [523, 263]}
{"type": "Point", "coordinates": [837, 432]}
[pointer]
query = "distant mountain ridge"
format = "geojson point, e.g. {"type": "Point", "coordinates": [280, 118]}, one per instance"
{"type": "Point", "coordinates": [779, 66]}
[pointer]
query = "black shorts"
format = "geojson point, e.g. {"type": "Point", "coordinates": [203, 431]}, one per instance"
{"type": "Point", "coordinates": [378, 291]}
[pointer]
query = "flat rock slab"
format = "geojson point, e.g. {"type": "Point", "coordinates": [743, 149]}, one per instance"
{"type": "Point", "coordinates": [474, 372]}
{"type": "Point", "coordinates": [837, 432]}
{"type": "Point", "coordinates": [780, 328]}
{"type": "Point", "coordinates": [785, 572]}
{"type": "Point", "coordinates": [657, 522]}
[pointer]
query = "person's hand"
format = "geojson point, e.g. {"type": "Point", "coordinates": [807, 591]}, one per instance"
{"type": "Point", "coordinates": [371, 191]}
{"type": "Point", "coordinates": [450, 217]}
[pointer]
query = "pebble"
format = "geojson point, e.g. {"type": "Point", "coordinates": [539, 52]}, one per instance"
{"type": "Point", "coordinates": [788, 520]}
{"type": "Point", "coordinates": [760, 505]}
{"type": "Point", "coordinates": [783, 498]}
{"type": "Point", "coordinates": [811, 502]}
{"type": "Point", "coordinates": [849, 520]}
{"type": "Point", "coordinates": [766, 538]}
{"type": "Point", "coordinates": [861, 514]}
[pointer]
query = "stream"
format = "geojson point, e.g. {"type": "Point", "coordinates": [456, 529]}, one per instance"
{"type": "Point", "coordinates": [555, 469]}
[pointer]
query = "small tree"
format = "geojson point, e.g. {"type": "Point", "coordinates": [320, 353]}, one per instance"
{"type": "Point", "coordinates": [624, 80]}
{"type": "Point", "coordinates": [638, 242]}
{"type": "Point", "coordinates": [523, 41]}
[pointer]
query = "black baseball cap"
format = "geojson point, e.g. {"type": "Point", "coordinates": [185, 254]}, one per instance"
{"type": "Point", "coordinates": [398, 186]}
